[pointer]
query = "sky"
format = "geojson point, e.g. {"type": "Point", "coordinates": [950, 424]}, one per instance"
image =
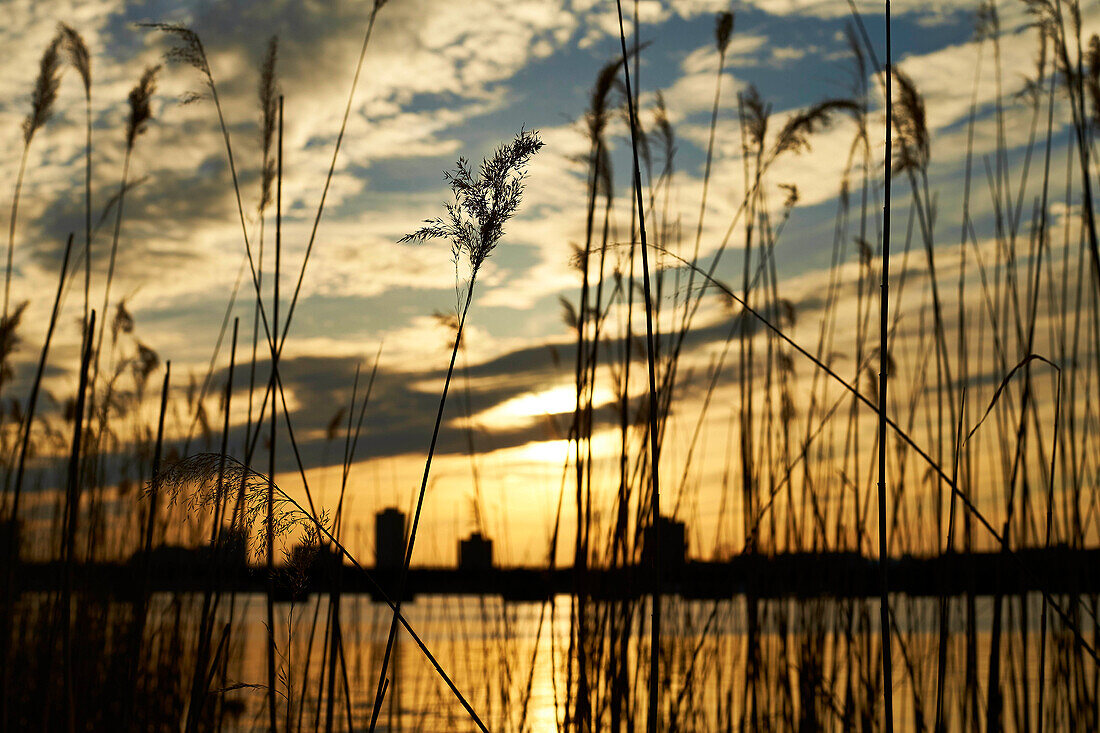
{"type": "Point", "coordinates": [443, 80]}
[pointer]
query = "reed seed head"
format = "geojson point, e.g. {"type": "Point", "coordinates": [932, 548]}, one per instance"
{"type": "Point", "coordinates": [912, 151]}
{"type": "Point", "coordinates": [204, 481]}
{"type": "Point", "coordinates": [795, 134]}
{"type": "Point", "coordinates": [9, 340]}
{"type": "Point", "coordinates": [78, 54]}
{"type": "Point", "coordinates": [140, 111]}
{"type": "Point", "coordinates": [123, 322]}
{"type": "Point", "coordinates": [791, 199]}
{"type": "Point", "coordinates": [45, 90]}
{"type": "Point", "coordinates": [144, 365]}
{"type": "Point", "coordinates": [987, 24]}
{"type": "Point", "coordinates": [666, 135]}
{"type": "Point", "coordinates": [332, 431]}
{"type": "Point", "coordinates": [1092, 78]}
{"type": "Point", "coordinates": [756, 113]}
{"type": "Point", "coordinates": [188, 49]}
{"type": "Point", "coordinates": [269, 104]}
{"type": "Point", "coordinates": [484, 201]}
{"type": "Point", "coordinates": [606, 81]}
{"type": "Point", "coordinates": [723, 29]}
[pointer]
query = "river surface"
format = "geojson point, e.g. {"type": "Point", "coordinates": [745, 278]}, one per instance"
{"type": "Point", "coordinates": [513, 663]}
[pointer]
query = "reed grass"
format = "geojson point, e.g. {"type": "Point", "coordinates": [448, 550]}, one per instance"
{"type": "Point", "coordinates": [43, 99]}
{"type": "Point", "coordinates": [474, 224]}
{"type": "Point", "coordinates": [986, 439]}
{"type": "Point", "coordinates": [80, 59]}
{"type": "Point", "coordinates": [882, 396]}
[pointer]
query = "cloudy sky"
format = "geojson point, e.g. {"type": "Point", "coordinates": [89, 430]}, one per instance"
{"type": "Point", "coordinates": [440, 80]}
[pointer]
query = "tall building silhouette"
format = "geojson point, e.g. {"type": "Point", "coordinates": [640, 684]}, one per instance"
{"type": "Point", "coordinates": [10, 539]}
{"type": "Point", "coordinates": [389, 539]}
{"type": "Point", "coordinates": [672, 542]}
{"type": "Point", "coordinates": [475, 553]}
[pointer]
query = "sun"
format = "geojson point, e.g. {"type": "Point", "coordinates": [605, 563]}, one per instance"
{"type": "Point", "coordinates": [525, 409]}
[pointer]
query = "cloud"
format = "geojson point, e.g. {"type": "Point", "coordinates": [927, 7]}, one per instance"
{"type": "Point", "coordinates": [448, 79]}
{"type": "Point", "coordinates": [432, 66]}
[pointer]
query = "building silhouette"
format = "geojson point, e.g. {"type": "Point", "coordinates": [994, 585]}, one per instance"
{"type": "Point", "coordinates": [389, 539]}
{"type": "Point", "coordinates": [10, 539]}
{"type": "Point", "coordinates": [672, 539]}
{"type": "Point", "coordinates": [475, 553]}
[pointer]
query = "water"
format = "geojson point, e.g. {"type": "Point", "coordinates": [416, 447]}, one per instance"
{"type": "Point", "coordinates": [818, 662]}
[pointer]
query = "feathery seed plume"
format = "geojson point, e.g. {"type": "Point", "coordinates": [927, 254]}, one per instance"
{"type": "Point", "coordinates": [757, 113]}
{"type": "Point", "coordinates": [269, 104]}
{"type": "Point", "coordinates": [146, 363]}
{"type": "Point", "coordinates": [987, 24]}
{"type": "Point", "coordinates": [123, 321]}
{"type": "Point", "coordinates": [45, 90]}
{"type": "Point", "coordinates": [483, 202]}
{"type": "Point", "coordinates": [912, 150]}
{"type": "Point", "coordinates": [665, 133]}
{"type": "Point", "coordinates": [9, 339]}
{"type": "Point", "coordinates": [140, 112]}
{"type": "Point", "coordinates": [723, 29]}
{"type": "Point", "coordinates": [205, 480]}
{"type": "Point", "coordinates": [794, 135]}
{"type": "Point", "coordinates": [78, 54]}
{"type": "Point", "coordinates": [606, 81]}
{"type": "Point", "coordinates": [1092, 77]}
{"type": "Point", "coordinates": [188, 51]}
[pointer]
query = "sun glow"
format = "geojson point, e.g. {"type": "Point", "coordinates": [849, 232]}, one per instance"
{"type": "Point", "coordinates": [604, 443]}
{"type": "Point", "coordinates": [526, 409]}
{"type": "Point", "coordinates": [544, 451]}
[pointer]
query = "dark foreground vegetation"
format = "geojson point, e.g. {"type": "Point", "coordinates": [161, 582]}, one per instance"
{"type": "Point", "coordinates": [989, 344]}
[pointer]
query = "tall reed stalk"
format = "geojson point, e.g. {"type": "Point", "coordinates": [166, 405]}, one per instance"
{"type": "Point", "coordinates": [883, 382]}
{"type": "Point", "coordinates": [140, 104]}
{"type": "Point", "coordinates": [656, 593]}
{"type": "Point", "coordinates": [136, 645]}
{"type": "Point", "coordinates": [201, 677]}
{"type": "Point", "coordinates": [81, 60]}
{"type": "Point", "coordinates": [269, 534]}
{"type": "Point", "coordinates": [42, 101]}
{"type": "Point", "coordinates": [73, 490]}
{"type": "Point", "coordinates": [12, 551]}
{"type": "Point", "coordinates": [474, 225]}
